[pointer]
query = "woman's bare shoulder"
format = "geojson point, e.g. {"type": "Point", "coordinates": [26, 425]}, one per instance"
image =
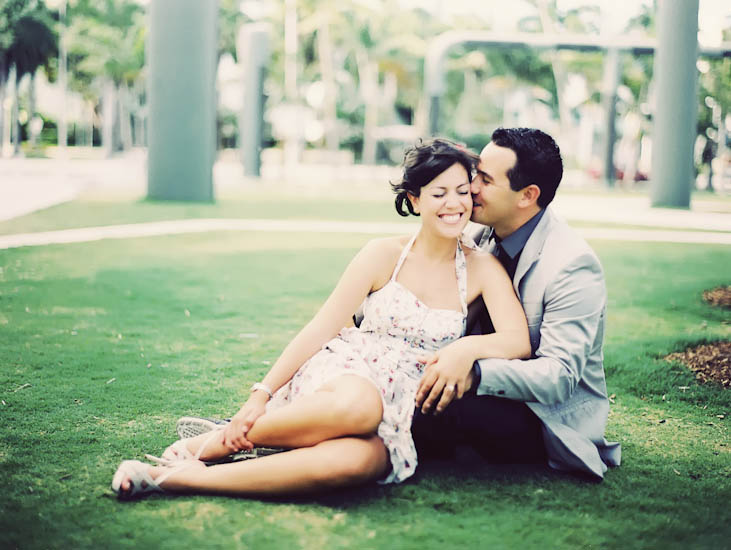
{"type": "Point", "coordinates": [483, 264]}
{"type": "Point", "coordinates": [379, 256]}
{"type": "Point", "coordinates": [480, 258]}
{"type": "Point", "coordinates": [386, 246]}
{"type": "Point", "coordinates": [383, 252]}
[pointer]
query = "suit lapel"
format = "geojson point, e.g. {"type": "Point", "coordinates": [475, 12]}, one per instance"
{"type": "Point", "coordinates": [532, 249]}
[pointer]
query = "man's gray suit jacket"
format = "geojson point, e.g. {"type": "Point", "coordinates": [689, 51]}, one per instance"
{"type": "Point", "coordinates": [560, 283]}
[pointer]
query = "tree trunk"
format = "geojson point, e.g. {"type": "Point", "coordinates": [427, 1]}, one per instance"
{"type": "Point", "coordinates": [560, 75]}
{"type": "Point", "coordinates": [368, 76]}
{"type": "Point", "coordinates": [89, 125]}
{"type": "Point", "coordinates": [32, 108]}
{"type": "Point", "coordinates": [139, 130]}
{"type": "Point", "coordinates": [8, 125]}
{"type": "Point", "coordinates": [2, 103]}
{"type": "Point", "coordinates": [387, 97]}
{"type": "Point", "coordinates": [125, 126]}
{"type": "Point", "coordinates": [108, 101]}
{"type": "Point", "coordinates": [16, 115]}
{"type": "Point", "coordinates": [327, 70]}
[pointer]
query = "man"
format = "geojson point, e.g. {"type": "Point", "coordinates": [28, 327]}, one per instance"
{"type": "Point", "coordinates": [552, 407]}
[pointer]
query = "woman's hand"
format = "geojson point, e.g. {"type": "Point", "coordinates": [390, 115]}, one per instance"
{"type": "Point", "coordinates": [234, 435]}
{"type": "Point", "coordinates": [448, 373]}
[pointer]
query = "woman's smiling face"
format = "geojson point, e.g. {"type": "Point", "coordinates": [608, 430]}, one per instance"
{"type": "Point", "coordinates": [445, 203]}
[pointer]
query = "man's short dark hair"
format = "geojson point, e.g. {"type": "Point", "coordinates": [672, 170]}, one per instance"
{"type": "Point", "coordinates": [538, 160]}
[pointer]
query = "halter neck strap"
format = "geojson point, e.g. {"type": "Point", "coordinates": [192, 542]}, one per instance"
{"type": "Point", "coordinates": [460, 268]}
{"type": "Point", "coordinates": [402, 258]}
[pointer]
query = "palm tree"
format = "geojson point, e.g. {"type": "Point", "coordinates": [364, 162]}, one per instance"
{"type": "Point", "coordinates": [34, 44]}
{"type": "Point", "coordinates": [106, 54]}
{"type": "Point", "coordinates": [27, 41]}
{"type": "Point", "coordinates": [388, 46]}
{"type": "Point", "coordinates": [368, 57]}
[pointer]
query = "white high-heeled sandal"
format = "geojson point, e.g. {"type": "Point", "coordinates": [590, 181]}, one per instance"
{"type": "Point", "coordinates": [141, 482]}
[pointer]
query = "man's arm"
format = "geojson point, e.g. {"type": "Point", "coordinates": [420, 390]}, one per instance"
{"type": "Point", "coordinates": [575, 304]}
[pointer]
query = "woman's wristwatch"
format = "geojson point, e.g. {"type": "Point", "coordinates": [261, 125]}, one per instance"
{"type": "Point", "coordinates": [263, 387]}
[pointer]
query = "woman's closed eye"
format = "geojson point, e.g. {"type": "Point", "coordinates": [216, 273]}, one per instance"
{"type": "Point", "coordinates": [458, 192]}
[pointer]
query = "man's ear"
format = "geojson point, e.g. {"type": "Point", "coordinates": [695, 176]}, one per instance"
{"type": "Point", "coordinates": [414, 200]}
{"type": "Point", "coordinates": [529, 195]}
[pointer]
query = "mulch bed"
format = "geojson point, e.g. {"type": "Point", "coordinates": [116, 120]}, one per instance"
{"type": "Point", "coordinates": [720, 296]}
{"type": "Point", "coordinates": [710, 362]}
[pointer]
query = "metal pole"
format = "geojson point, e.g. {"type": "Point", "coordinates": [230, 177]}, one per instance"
{"type": "Point", "coordinates": [182, 61]}
{"type": "Point", "coordinates": [434, 115]}
{"type": "Point", "coordinates": [675, 112]}
{"type": "Point", "coordinates": [253, 54]}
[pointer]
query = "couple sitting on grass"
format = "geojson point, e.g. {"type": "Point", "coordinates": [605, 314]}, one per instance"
{"type": "Point", "coordinates": [422, 372]}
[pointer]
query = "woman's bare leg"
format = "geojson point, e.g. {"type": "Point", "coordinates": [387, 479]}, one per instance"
{"type": "Point", "coordinates": [348, 405]}
{"type": "Point", "coordinates": [333, 463]}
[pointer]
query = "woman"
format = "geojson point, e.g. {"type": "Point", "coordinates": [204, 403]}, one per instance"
{"type": "Point", "coordinates": [342, 399]}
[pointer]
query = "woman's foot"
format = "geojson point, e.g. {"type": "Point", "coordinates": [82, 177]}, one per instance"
{"type": "Point", "coordinates": [135, 479]}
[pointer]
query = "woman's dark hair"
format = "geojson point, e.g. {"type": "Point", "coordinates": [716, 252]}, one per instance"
{"type": "Point", "coordinates": [424, 162]}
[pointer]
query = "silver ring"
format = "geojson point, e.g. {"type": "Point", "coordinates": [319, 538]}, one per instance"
{"type": "Point", "coordinates": [449, 387]}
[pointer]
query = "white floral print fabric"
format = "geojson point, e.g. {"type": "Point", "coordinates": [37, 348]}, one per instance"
{"type": "Point", "coordinates": [396, 330]}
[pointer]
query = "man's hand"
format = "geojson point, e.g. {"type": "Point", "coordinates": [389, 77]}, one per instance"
{"type": "Point", "coordinates": [234, 435]}
{"type": "Point", "coordinates": [448, 374]}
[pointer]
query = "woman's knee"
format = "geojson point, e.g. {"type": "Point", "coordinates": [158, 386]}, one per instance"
{"type": "Point", "coordinates": [358, 406]}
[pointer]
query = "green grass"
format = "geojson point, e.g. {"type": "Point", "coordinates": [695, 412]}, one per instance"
{"type": "Point", "coordinates": [93, 211]}
{"type": "Point", "coordinates": [105, 344]}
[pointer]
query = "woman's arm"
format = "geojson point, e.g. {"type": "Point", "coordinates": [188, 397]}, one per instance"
{"type": "Point", "coordinates": [358, 280]}
{"type": "Point", "coordinates": [452, 365]}
{"type": "Point", "coordinates": [511, 339]}
{"type": "Point", "coordinates": [355, 284]}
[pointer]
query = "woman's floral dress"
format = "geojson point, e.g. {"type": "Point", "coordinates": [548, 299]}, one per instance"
{"type": "Point", "coordinates": [396, 330]}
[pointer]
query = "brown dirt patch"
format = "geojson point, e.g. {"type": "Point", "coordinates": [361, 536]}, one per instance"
{"type": "Point", "coordinates": [720, 296]}
{"type": "Point", "coordinates": [709, 362]}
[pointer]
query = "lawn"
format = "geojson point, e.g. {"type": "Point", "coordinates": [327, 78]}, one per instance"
{"type": "Point", "coordinates": [105, 344]}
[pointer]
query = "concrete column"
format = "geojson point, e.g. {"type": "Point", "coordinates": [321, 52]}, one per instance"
{"type": "Point", "coordinates": [252, 48]}
{"type": "Point", "coordinates": [674, 129]}
{"type": "Point", "coordinates": [612, 79]}
{"type": "Point", "coordinates": [182, 59]}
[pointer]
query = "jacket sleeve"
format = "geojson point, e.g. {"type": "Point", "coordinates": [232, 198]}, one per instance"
{"type": "Point", "coordinates": [574, 304]}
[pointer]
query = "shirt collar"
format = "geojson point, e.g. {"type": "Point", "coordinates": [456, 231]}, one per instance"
{"type": "Point", "coordinates": [515, 242]}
